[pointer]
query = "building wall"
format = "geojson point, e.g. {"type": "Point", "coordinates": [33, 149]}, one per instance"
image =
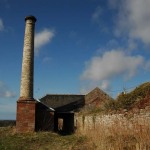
{"type": "Point", "coordinates": [44, 118]}
{"type": "Point", "coordinates": [84, 123]}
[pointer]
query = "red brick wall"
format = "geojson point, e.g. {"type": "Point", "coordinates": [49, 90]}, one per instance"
{"type": "Point", "coordinates": [25, 121]}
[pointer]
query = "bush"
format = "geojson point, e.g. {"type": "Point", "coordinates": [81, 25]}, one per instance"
{"type": "Point", "coordinates": [127, 100]}
{"type": "Point", "coordinates": [111, 105]}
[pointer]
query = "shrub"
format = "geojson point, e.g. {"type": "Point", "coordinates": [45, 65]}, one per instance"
{"type": "Point", "coordinates": [126, 101]}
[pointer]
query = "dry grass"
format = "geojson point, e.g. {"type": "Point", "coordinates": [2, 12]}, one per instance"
{"type": "Point", "coordinates": [121, 134]}
{"type": "Point", "coordinates": [10, 140]}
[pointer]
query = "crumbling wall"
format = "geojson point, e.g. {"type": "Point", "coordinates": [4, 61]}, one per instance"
{"type": "Point", "coordinates": [94, 121]}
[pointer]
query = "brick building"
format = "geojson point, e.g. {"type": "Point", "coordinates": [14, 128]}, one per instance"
{"type": "Point", "coordinates": [46, 113]}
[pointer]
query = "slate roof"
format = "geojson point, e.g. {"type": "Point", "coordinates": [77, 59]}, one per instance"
{"type": "Point", "coordinates": [72, 102]}
{"type": "Point", "coordinates": [63, 102]}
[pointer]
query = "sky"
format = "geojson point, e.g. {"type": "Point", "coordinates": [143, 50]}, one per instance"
{"type": "Point", "coordinates": [79, 45]}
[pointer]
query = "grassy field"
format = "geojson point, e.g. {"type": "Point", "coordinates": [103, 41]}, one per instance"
{"type": "Point", "coordinates": [9, 140]}
{"type": "Point", "coordinates": [119, 133]}
{"type": "Point", "coordinates": [122, 134]}
{"type": "Point", "coordinates": [126, 133]}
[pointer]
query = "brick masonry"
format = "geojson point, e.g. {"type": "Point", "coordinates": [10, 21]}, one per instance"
{"type": "Point", "coordinates": [26, 89]}
{"type": "Point", "coordinates": [25, 116]}
{"type": "Point", "coordinates": [26, 105]}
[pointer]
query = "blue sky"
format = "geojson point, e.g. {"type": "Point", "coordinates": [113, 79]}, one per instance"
{"type": "Point", "coordinates": [79, 45]}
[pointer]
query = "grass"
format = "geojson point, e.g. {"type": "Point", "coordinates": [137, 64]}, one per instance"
{"type": "Point", "coordinates": [120, 134]}
{"type": "Point", "coordinates": [9, 140]}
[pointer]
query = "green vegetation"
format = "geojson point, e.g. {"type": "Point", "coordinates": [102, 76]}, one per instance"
{"type": "Point", "coordinates": [121, 134]}
{"type": "Point", "coordinates": [125, 101]}
{"type": "Point", "coordinates": [10, 140]}
{"type": "Point", "coordinates": [128, 100]}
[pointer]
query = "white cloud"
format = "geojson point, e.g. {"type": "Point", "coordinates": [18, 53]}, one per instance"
{"type": "Point", "coordinates": [111, 64]}
{"type": "Point", "coordinates": [113, 4]}
{"type": "Point", "coordinates": [147, 65]}
{"type": "Point", "coordinates": [87, 86]}
{"type": "Point", "coordinates": [102, 69]}
{"type": "Point", "coordinates": [47, 59]}
{"type": "Point", "coordinates": [42, 38]}
{"type": "Point", "coordinates": [112, 44]}
{"type": "Point", "coordinates": [105, 85]}
{"type": "Point", "coordinates": [98, 19]}
{"type": "Point", "coordinates": [134, 19]}
{"type": "Point", "coordinates": [132, 45]}
{"type": "Point", "coordinates": [5, 92]}
{"type": "Point", "coordinates": [1, 25]}
{"type": "Point", "coordinates": [97, 14]}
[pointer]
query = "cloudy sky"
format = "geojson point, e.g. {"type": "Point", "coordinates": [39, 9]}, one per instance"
{"type": "Point", "coordinates": [79, 45]}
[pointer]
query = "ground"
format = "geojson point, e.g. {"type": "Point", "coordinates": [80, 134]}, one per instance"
{"type": "Point", "coordinates": [9, 140]}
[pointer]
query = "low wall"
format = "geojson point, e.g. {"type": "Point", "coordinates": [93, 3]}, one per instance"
{"type": "Point", "coordinates": [86, 122]}
{"type": "Point", "coordinates": [116, 131]}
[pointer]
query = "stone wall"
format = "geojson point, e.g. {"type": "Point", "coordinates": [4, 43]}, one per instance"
{"type": "Point", "coordinates": [116, 131]}
{"type": "Point", "coordinates": [87, 122]}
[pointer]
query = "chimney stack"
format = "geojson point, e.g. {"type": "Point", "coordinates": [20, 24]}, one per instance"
{"type": "Point", "coordinates": [26, 105]}
{"type": "Point", "coordinates": [26, 89]}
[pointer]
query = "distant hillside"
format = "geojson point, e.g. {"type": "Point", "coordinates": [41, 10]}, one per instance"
{"type": "Point", "coordinates": [6, 123]}
{"type": "Point", "coordinates": [139, 98]}
{"type": "Point", "coordinates": [128, 100]}
{"type": "Point", "coordinates": [143, 103]}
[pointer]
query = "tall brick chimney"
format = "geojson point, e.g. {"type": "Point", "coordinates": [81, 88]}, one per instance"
{"type": "Point", "coordinates": [26, 105]}
{"type": "Point", "coordinates": [26, 90]}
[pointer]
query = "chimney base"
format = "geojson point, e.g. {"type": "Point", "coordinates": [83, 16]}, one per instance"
{"type": "Point", "coordinates": [25, 121]}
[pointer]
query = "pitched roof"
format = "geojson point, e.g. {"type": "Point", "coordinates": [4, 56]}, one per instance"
{"type": "Point", "coordinates": [63, 102]}
{"type": "Point", "coordinates": [97, 97]}
{"type": "Point", "coordinates": [71, 102]}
